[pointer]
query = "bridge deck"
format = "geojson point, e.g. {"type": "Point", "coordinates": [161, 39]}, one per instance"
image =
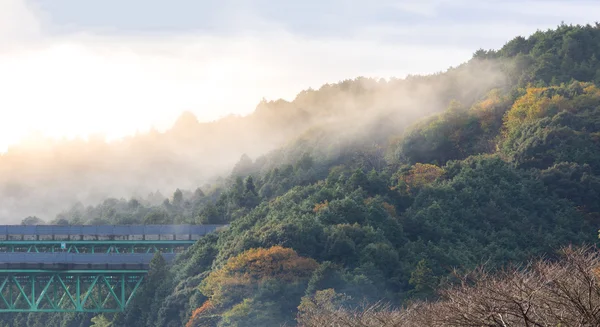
{"type": "Point", "coordinates": [71, 261]}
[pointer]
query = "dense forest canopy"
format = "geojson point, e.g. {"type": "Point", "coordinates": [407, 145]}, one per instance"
{"type": "Point", "coordinates": [362, 190]}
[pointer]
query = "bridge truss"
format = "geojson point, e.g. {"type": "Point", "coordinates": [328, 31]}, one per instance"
{"type": "Point", "coordinates": [83, 268]}
{"type": "Point", "coordinates": [171, 246]}
{"type": "Point", "coordinates": [68, 291]}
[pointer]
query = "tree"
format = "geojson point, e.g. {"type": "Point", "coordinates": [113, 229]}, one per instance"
{"type": "Point", "coordinates": [32, 220]}
{"type": "Point", "coordinates": [101, 321]}
{"type": "Point", "coordinates": [240, 276]}
{"type": "Point", "coordinates": [177, 198]}
{"type": "Point", "coordinates": [243, 167]}
{"type": "Point", "coordinates": [157, 217]}
{"type": "Point", "coordinates": [305, 162]}
{"type": "Point", "coordinates": [62, 222]}
{"type": "Point", "coordinates": [250, 188]}
{"type": "Point", "coordinates": [144, 309]}
{"type": "Point", "coordinates": [251, 313]}
{"type": "Point", "coordinates": [210, 215]}
{"type": "Point", "coordinates": [418, 176]}
{"type": "Point", "coordinates": [250, 198]}
{"type": "Point", "coordinates": [423, 280]}
{"type": "Point", "coordinates": [198, 193]}
{"type": "Point", "coordinates": [202, 315]}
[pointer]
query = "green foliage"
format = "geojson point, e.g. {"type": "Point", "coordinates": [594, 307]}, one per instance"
{"type": "Point", "coordinates": [553, 56]}
{"type": "Point", "coordinates": [545, 127]}
{"type": "Point", "coordinates": [252, 313]}
{"type": "Point", "coordinates": [33, 220]}
{"type": "Point", "coordinates": [101, 321]}
{"type": "Point", "coordinates": [145, 307]}
{"type": "Point", "coordinates": [576, 183]}
{"type": "Point", "coordinates": [423, 280]}
{"type": "Point", "coordinates": [456, 133]}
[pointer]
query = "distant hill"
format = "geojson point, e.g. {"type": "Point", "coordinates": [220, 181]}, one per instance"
{"type": "Point", "coordinates": [44, 177]}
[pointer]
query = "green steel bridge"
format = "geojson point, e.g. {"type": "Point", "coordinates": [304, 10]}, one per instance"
{"type": "Point", "coordinates": [83, 268]}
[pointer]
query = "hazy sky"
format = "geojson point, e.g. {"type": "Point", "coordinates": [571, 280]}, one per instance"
{"type": "Point", "coordinates": [73, 67]}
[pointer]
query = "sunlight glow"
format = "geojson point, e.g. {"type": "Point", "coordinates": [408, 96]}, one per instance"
{"type": "Point", "coordinates": [83, 87]}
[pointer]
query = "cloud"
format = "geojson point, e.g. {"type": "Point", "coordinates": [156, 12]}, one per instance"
{"type": "Point", "coordinates": [429, 8]}
{"type": "Point", "coordinates": [576, 11]}
{"type": "Point", "coordinates": [75, 84]}
{"type": "Point", "coordinates": [18, 24]}
{"type": "Point", "coordinates": [82, 80]}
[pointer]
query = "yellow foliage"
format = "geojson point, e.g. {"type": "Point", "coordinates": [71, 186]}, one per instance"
{"type": "Point", "coordinates": [320, 206]}
{"type": "Point", "coordinates": [537, 103]}
{"type": "Point", "coordinates": [591, 89]}
{"type": "Point", "coordinates": [492, 99]}
{"type": "Point", "coordinates": [486, 109]}
{"type": "Point", "coordinates": [251, 267]}
{"type": "Point", "coordinates": [530, 106]}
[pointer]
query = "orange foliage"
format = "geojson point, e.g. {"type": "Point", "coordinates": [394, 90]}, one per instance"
{"type": "Point", "coordinates": [251, 267]}
{"type": "Point", "coordinates": [206, 307]}
{"type": "Point", "coordinates": [539, 102]}
{"type": "Point", "coordinates": [420, 175]}
{"type": "Point", "coordinates": [320, 206]}
{"type": "Point", "coordinates": [390, 209]}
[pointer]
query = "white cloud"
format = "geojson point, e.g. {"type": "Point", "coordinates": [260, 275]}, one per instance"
{"type": "Point", "coordinates": [18, 24]}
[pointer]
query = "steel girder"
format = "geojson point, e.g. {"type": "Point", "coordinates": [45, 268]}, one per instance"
{"type": "Point", "coordinates": [68, 291]}
{"type": "Point", "coordinates": [95, 246]}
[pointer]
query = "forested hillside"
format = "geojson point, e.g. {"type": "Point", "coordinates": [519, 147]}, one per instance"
{"type": "Point", "coordinates": [42, 177]}
{"type": "Point", "coordinates": [379, 190]}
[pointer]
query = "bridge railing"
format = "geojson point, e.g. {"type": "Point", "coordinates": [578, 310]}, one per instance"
{"type": "Point", "coordinates": [105, 232]}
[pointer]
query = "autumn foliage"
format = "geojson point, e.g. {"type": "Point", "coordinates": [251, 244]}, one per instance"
{"type": "Point", "coordinates": [245, 271]}
{"type": "Point", "coordinates": [539, 102]}
{"type": "Point", "coordinates": [420, 175]}
{"type": "Point", "coordinates": [320, 206]}
{"type": "Point", "coordinates": [199, 312]}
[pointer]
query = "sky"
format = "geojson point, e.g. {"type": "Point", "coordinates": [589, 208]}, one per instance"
{"type": "Point", "coordinates": [112, 67]}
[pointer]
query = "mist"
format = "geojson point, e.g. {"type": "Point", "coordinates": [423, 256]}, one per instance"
{"type": "Point", "coordinates": [43, 176]}
{"type": "Point", "coordinates": [74, 84]}
{"type": "Point", "coordinates": [93, 115]}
